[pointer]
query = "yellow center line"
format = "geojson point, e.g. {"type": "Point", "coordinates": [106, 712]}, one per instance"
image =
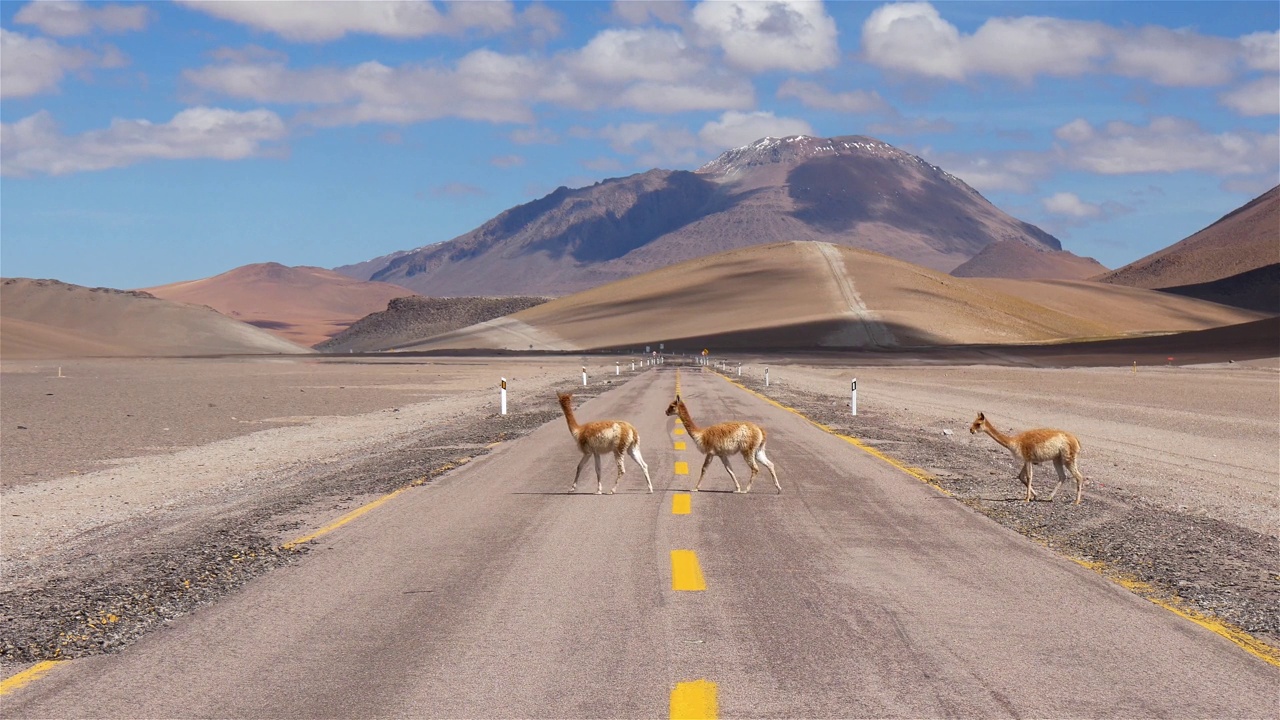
{"type": "Point", "coordinates": [678, 431]}
{"type": "Point", "coordinates": [694, 700]}
{"type": "Point", "coordinates": [26, 677]}
{"type": "Point", "coordinates": [686, 574]}
{"type": "Point", "coordinates": [682, 468]}
{"type": "Point", "coordinates": [681, 504]}
{"type": "Point", "coordinates": [680, 445]}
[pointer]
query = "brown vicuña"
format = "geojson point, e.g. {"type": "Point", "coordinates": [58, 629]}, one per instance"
{"type": "Point", "coordinates": [603, 436]}
{"type": "Point", "coordinates": [725, 439]}
{"type": "Point", "coordinates": [1036, 446]}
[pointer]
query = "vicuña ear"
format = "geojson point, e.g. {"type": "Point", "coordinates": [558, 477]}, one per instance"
{"type": "Point", "coordinates": [981, 416]}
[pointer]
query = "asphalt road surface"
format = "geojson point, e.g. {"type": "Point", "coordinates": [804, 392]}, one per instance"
{"type": "Point", "coordinates": [857, 592]}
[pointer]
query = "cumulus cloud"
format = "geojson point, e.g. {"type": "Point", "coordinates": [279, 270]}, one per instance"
{"type": "Point", "coordinates": [619, 56]}
{"type": "Point", "coordinates": [1262, 51]}
{"type": "Point", "coordinates": [35, 145]}
{"type": "Point", "coordinates": [324, 21]}
{"type": "Point", "coordinates": [735, 129]}
{"type": "Point", "coordinates": [759, 35]}
{"type": "Point", "coordinates": [913, 37]}
{"type": "Point", "coordinates": [66, 18]}
{"type": "Point", "coordinates": [1260, 97]}
{"type": "Point", "coordinates": [653, 144]}
{"type": "Point", "coordinates": [813, 95]}
{"type": "Point", "coordinates": [1071, 210]}
{"type": "Point", "coordinates": [1167, 144]}
{"type": "Point", "coordinates": [989, 172]}
{"type": "Point", "coordinates": [639, 12]}
{"type": "Point", "coordinates": [35, 65]}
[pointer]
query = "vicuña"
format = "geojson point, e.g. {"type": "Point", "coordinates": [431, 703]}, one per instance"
{"type": "Point", "coordinates": [603, 436]}
{"type": "Point", "coordinates": [1036, 446]}
{"type": "Point", "coordinates": [725, 439]}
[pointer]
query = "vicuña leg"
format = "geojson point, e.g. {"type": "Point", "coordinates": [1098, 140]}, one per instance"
{"type": "Point", "coordinates": [581, 464]}
{"type": "Point", "coordinates": [736, 487]}
{"type": "Point", "coordinates": [755, 468]}
{"type": "Point", "coordinates": [1062, 477]}
{"type": "Point", "coordinates": [1079, 481]}
{"type": "Point", "coordinates": [617, 456]}
{"type": "Point", "coordinates": [1025, 477]}
{"type": "Point", "coordinates": [703, 474]}
{"type": "Point", "coordinates": [599, 481]}
{"type": "Point", "coordinates": [635, 455]}
{"type": "Point", "coordinates": [769, 464]}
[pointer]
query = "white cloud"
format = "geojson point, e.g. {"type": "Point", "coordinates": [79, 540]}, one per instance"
{"type": "Point", "coordinates": [735, 129]}
{"type": "Point", "coordinates": [653, 144]}
{"type": "Point", "coordinates": [1166, 145]}
{"type": "Point", "coordinates": [65, 18]}
{"type": "Point", "coordinates": [913, 38]}
{"type": "Point", "coordinates": [618, 56]}
{"type": "Point", "coordinates": [760, 35]}
{"type": "Point", "coordinates": [639, 12]}
{"type": "Point", "coordinates": [1260, 97]}
{"type": "Point", "coordinates": [29, 66]}
{"type": "Point", "coordinates": [1070, 205]}
{"type": "Point", "coordinates": [681, 97]}
{"type": "Point", "coordinates": [324, 21]}
{"type": "Point", "coordinates": [1009, 171]}
{"type": "Point", "coordinates": [34, 145]}
{"type": "Point", "coordinates": [1262, 51]}
{"type": "Point", "coordinates": [813, 95]}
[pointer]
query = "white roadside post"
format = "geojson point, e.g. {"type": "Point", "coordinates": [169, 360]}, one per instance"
{"type": "Point", "coordinates": [503, 395]}
{"type": "Point", "coordinates": [617, 368]}
{"type": "Point", "coordinates": [633, 364]}
{"type": "Point", "coordinates": [739, 369]}
{"type": "Point", "coordinates": [766, 377]}
{"type": "Point", "coordinates": [584, 376]}
{"type": "Point", "coordinates": [854, 402]}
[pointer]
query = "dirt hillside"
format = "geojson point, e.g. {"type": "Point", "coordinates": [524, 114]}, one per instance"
{"type": "Point", "coordinates": [412, 319]}
{"type": "Point", "coordinates": [306, 305]}
{"type": "Point", "coordinates": [818, 295]}
{"type": "Point", "coordinates": [52, 319]}
{"type": "Point", "coordinates": [1012, 259]}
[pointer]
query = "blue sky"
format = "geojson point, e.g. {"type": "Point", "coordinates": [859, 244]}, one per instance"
{"type": "Point", "coordinates": [156, 142]}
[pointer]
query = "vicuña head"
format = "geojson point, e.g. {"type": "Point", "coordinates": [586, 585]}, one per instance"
{"type": "Point", "coordinates": [1034, 447]}
{"type": "Point", "coordinates": [725, 439]}
{"type": "Point", "coordinates": [603, 436]}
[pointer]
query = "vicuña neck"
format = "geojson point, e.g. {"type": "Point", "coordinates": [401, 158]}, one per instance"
{"type": "Point", "coordinates": [566, 405]}
{"type": "Point", "coordinates": [689, 425]}
{"type": "Point", "coordinates": [998, 436]}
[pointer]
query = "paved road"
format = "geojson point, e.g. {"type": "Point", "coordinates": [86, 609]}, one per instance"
{"type": "Point", "coordinates": [859, 592]}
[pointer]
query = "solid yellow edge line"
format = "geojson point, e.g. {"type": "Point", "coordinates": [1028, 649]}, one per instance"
{"type": "Point", "coordinates": [1247, 642]}
{"type": "Point", "coordinates": [682, 468]}
{"type": "Point", "coordinates": [694, 700]}
{"type": "Point", "coordinates": [681, 504]}
{"type": "Point", "coordinates": [686, 574]}
{"type": "Point", "coordinates": [31, 674]}
{"type": "Point", "coordinates": [342, 520]}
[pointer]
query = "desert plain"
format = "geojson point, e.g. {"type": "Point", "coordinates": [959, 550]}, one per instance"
{"type": "Point", "coordinates": [135, 490]}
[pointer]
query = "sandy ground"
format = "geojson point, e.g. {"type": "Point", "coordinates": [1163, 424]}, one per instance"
{"type": "Point", "coordinates": [134, 490]}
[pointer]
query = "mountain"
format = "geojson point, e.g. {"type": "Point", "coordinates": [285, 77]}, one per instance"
{"type": "Point", "coordinates": [52, 319]}
{"type": "Point", "coordinates": [810, 295]}
{"type": "Point", "coordinates": [852, 191]}
{"type": "Point", "coordinates": [306, 305]}
{"type": "Point", "coordinates": [409, 319]}
{"type": "Point", "coordinates": [1235, 261]}
{"type": "Point", "coordinates": [1012, 259]}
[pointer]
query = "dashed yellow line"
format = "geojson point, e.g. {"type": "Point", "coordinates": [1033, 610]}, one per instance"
{"type": "Point", "coordinates": [682, 468]}
{"type": "Point", "coordinates": [686, 574]}
{"type": "Point", "coordinates": [1244, 640]}
{"type": "Point", "coordinates": [24, 678]}
{"type": "Point", "coordinates": [681, 504]}
{"type": "Point", "coordinates": [680, 445]}
{"type": "Point", "coordinates": [694, 700]}
{"type": "Point", "coordinates": [678, 431]}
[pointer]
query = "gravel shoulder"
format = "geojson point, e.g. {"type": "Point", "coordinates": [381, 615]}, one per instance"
{"type": "Point", "coordinates": [137, 490]}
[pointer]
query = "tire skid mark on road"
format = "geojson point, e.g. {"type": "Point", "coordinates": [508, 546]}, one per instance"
{"type": "Point", "coordinates": [1242, 639]}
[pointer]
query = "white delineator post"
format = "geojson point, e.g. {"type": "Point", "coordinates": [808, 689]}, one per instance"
{"type": "Point", "coordinates": [617, 368]}
{"type": "Point", "coordinates": [766, 377]}
{"type": "Point", "coordinates": [633, 364]}
{"type": "Point", "coordinates": [853, 403]}
{"type": "Point", "coordinates": [739, 368]}
{"type": "Point", "coordinates": [503, 395]}
{"type": "Point", "coordinates": [584, 376]}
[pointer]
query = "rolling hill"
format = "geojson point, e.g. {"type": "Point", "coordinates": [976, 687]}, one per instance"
{"type": "Point", "coordinates": [806, 295]}
{"type": "Point", "coordinates": [306, 305]}
{"type": "Point", "coordinates": [52, 319]}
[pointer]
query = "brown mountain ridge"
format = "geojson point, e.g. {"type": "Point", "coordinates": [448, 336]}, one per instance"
{"type": "Point", "coordinates": [852, 191]}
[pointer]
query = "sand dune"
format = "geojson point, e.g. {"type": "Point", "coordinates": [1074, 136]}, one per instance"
{"type": "Point", "coordinates": [52, 319]}
{"type": "Point", "coordinates": [815, 295]}
{"type": "Point", "coordinates": [306, 305]}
